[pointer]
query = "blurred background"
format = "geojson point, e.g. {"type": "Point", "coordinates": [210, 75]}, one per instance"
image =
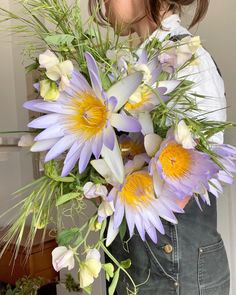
{"type": "Point", "coordinates": [217, 32]}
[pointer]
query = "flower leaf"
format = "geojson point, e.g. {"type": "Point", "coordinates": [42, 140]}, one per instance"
{"type": "Point", "coordinates": [59, 39]}
{"type": "Point", "coordinates": [123, 228]}
{"type": "Point", "coordinates": [112, 287]}
{"type": "Point", "coordinates": [109, 269]}
{"type": "Point", "coordinates": [67, 236]}
{"type": "Point", "coordinates": [66, 198]}
{"type": "Point", "coordinates": [126, 263]}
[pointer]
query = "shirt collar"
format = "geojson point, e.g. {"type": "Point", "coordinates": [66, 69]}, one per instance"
{"type": "Point", "coordinates": [169, 25]}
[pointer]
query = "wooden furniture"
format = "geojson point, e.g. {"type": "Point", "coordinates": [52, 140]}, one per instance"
{"type": "Point", "coordinates": [38, 264]}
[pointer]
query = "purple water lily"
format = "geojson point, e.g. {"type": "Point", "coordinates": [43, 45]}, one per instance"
{"type": "Point", "coordinates": [83, 119]}
{"type": "Point", "coordinates": [186, 171]}
{"type": "Point", "coordinates": [137, 201]}
{"type": "Point", "coordinates": [227, 158]}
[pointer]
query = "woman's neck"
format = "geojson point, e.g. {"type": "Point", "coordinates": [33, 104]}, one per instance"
{"type": "Point", "coordinates": [144, 28]}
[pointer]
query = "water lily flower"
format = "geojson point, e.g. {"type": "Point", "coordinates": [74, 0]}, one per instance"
{"type": "Point", "coordinates": [63, 258]}
{"type": "Point", "coordinates": [150, 93]}
{"type": "Point", "coordinates": [83, 119]}
{"type": "Point", "coordinates": [227, 158]}
{"type": "Point", "coordinates": [137, 201]}
{"type": "Point", "coordinates": [56, 70]}
{"type": "Point", "coordinates": [90, 268]}
{"type": "Point", "coordinates": [145, 98]}
{"type": "Point", "coordinates": [183, 135]}
{"type": "Point", "coordinates": [186, 171]}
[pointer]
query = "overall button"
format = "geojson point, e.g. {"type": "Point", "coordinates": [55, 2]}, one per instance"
{"type": "Point", "coordinates": [176, 284]}
{"type": "Point", "coordinates": [168, 248]}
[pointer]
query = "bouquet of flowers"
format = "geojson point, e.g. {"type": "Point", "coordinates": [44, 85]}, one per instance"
{"type": "Point", "coordinates": [115, 128]}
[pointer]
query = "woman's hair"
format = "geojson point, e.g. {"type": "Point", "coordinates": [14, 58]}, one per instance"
{"type": "Point", "coordinates": [154, 9]}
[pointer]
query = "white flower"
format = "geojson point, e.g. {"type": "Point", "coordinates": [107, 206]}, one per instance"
{"type": "Point", "coordinates": [55, 69]}
{"type": "Point", "coordinates": [147, 74]}
{"type": "Point", "coordinates": [49, 90]}
{"type": "Point", "coordinates": [26, 140]}
{"type": "Point", "coordinates": [48, 59]}
{"type": "Point", "coordinates": [112, 232]}
{"type": "Point", "coordinates": [90, 268]}
{"type": "Point", "coordinates": [120, 55]}
{"type": "Point", "coordinates": [105, 209]}
{"type": "Point", "coordinates": [183, 136]}
{"type": "Point", "coordinates": [91, 191]}
{"type": "Point", "coordinates": [62, 258]}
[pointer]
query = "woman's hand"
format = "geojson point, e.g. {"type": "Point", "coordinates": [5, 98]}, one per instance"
{"type": "Point", "coordinates": [184, 202]}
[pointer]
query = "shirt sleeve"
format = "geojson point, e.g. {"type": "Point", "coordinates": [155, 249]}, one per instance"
{"type": "Point", "coordinates": [208, 83]}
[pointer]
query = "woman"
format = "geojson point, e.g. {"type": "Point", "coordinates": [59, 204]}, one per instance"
{"type": "Point", "coordinates": [190, 259]}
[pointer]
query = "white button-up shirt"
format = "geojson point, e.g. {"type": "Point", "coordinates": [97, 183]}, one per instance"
{"type": "Point", "coordinates": [206, 78]}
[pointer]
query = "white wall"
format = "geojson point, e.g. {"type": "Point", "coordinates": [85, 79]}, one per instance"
{"type": "Point", "coordinates": [16, 170]}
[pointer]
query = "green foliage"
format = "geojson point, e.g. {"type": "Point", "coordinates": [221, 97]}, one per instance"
{"type": "Point", "coordinates": [126, 263]}
{"type": "Point", "coordinates": [51, 169]}
{"type": "Point", "coordinates": [60, 39]}
{"type": "Point", "coordinates": [71, 285]}
{"type": "Point", "coordinates": [67, 236]}
{"type": "Point", "coordinates": [26, 286]}
{"type": "Point", "coordinates": [67, 197]}
{"type": "Point", "coordinates": [112, 287]}
{"type": "Point", "coordinates": [109, 270]}
{"type": "Point", "coordinates": [123, 229]}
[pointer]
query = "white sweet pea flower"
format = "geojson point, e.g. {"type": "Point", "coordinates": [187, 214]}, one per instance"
{"type": "Point", "coordinates": [26, 140]}
{"type": "Point", "coordinates": [183, 136]}
{"type": "Point", "coordinates": [106, 208]}
{"type": "Point", "coordinates": [147, 74]}
{"type": "Point", "coordinates": [55, 69]}
{"type": "Point", "coordinates": [90, 268]}
{"type": "Point", "coordinates": [120, 55]}
{"type": "Point", "coordinates": [92, 190]}
{"type": "Point", "coordinates": [193, 43]}
{"type": "Point", "coordinates": [187, 49]}
{"type": "Point", "coordinates": [48, 60]}
{"type": "Point", "coordinates": [49, 90]}
{"type": "Point", "coordinates": [62, 258]}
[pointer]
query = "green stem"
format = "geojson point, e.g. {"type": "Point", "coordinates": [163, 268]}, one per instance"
{"type": "Point", "coordinates": [104, 248]}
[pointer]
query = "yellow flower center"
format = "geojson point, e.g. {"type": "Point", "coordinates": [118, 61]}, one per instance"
{"type": "Point", "coordinates": [90, 115]}
{"type": "Point", "coordinates": [175, 160]}
{"type": "Point", "coordinates": [138, 98]}
{"type": "Point", "coordinates": [138, 189]}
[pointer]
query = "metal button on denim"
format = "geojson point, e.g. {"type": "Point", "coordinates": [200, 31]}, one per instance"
{"type": "Point", "coordinates": [176, 284]}
{"type": "Point", "coordinates": [168, 248]}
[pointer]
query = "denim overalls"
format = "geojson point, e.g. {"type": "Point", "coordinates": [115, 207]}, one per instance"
{"type": "Point", "coordinates": [190, 259]}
